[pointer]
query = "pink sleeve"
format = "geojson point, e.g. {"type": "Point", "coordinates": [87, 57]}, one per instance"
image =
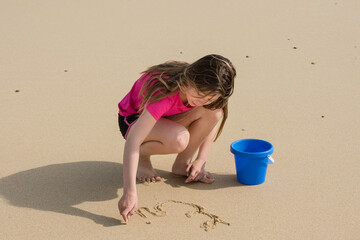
{"type": "Point", "coordinates": [158, 109]}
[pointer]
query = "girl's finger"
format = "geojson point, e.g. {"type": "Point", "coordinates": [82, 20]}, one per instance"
{"type": "Point", "coordinates": [193, 173]}
{"type": "Point", "coordinates": [125, 213]}
{"type": "Point", "coordinates": [132, 211]}
{"type": "Point", "coordinates": [197, 178]}
{"type": "Point", "coordinates": [189, 179]}
{"type": "Point", "coordinates": [188, 169]}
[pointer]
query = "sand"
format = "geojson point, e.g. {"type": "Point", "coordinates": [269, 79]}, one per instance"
{"type": "Point", "coordinates": [158, 211]}
{"type": "Point", "coordinates": [65, 65]}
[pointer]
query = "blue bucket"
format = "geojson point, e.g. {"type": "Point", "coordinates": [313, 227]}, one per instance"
{"type": "Point", "coordinates": [252, 157]}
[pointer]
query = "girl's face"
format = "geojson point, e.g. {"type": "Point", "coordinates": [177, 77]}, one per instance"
{"type": "Point", "coordinates": [197, 99]}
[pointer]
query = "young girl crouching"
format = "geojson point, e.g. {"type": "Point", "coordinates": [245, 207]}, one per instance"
{"type": "Point", "coordinates": [173, 107]}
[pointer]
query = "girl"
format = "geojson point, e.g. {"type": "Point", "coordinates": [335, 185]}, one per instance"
{"type": "Point", "coordinates": [173, 107]}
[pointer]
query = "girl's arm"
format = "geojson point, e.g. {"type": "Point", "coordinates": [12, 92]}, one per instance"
{"type": "Point", "coordinates": [195, 168]}
{"type": "Point", "coordinates": [205, 146]}
{"type": "Point", "coordinates": [139, 131]}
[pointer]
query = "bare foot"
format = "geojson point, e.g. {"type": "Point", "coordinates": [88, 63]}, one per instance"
{"type": "Point", "coordinates": [146, 172]}
{"type": "Point", "coordinates": [204, 176]}
{"type": "Point", "coordinates": [207, 178]}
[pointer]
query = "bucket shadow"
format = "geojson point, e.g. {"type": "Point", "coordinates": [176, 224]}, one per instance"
{"type": "Point", "coordinates": [59, 187]}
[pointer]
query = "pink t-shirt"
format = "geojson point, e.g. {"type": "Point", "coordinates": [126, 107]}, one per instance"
{"type": "Point", "coordinates": [165, 107]}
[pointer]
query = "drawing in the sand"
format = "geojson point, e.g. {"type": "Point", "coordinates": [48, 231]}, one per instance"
{"type": "Point", "coordinates": [160, 212]}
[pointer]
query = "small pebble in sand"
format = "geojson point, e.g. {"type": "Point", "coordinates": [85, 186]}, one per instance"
{"type": "Point", "coordinates": [65, 70]}
{"type": "Point", "coordinates": [322, 116]}
{"type": "Point", "coordinates": [181, 52]}
{"type": "Point", "coordinates": [17, 90]}
{"type": "Point", "coordinates": [243, 129]}
{"type": "Point", "coordinates": [247, 57]}
{"type": "Point", "coordinates": [148, 222]}
{"type": "Point", "coordinates": [294, 47]}
{"type": "Point", "coordinates": [312, 63]}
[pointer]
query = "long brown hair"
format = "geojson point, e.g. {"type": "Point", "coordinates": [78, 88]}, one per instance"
{"type": "Point", "coordinates": [210, 75]}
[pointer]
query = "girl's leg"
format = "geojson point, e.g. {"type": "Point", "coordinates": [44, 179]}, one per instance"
{"type": "Point", "coordinates": [166, 137]}
{"type": "Point", "coordinates": [201, 124]}
{"type": "Point", "coordinates": [172, 135]}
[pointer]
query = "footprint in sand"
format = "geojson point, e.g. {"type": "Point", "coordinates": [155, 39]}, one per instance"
{"type": "Point", "coordinates": [160, 212]}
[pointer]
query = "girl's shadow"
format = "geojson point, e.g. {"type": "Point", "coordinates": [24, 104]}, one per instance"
{"type": "Point", "coordinates": [59, 187]}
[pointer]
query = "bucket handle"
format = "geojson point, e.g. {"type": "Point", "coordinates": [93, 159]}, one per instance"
{"type": "Point", "coordinates": [270, 160]}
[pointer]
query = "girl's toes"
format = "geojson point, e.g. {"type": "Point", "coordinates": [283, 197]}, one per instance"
{"type": "Point", "coordinates": [208, 178]}
{"type": "Point", "coordinates": [159, 179]}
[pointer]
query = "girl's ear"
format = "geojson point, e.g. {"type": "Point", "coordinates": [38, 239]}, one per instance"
{"type": "Point", "coordinates": [184, 88]}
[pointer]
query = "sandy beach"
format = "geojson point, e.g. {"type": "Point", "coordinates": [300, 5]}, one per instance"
{"type": "Point", "coordinates": [64, 66]}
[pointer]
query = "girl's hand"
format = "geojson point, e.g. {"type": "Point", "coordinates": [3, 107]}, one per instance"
{"type": "Point", "coordinates": [195, 171]}
{"type": "Point", "coordinates": [127, 205]}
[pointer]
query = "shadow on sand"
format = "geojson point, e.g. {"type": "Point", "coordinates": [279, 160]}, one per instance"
{"type": "Point", "coordinates": [59, 187]}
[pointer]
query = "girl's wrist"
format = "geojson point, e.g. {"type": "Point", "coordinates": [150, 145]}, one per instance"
{"type": "Point", "coordinates": [129, 191]}
{"type": "Point", "coordinates": [200, 160]}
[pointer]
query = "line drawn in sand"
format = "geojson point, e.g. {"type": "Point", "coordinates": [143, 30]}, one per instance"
{"type": "Point", "coordinates": [160, 212]}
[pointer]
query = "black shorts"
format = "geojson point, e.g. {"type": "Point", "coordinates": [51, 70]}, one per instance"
{"type": "Point", "coordinates": [126, 122]}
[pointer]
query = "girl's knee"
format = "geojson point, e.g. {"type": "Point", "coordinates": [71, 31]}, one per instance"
{"type": "Point", "coordinates": [214, 115]}
{"type": "Point", "coordinates": [219, 113]}
{"type": "Point", "coordinates": [181, 140]}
